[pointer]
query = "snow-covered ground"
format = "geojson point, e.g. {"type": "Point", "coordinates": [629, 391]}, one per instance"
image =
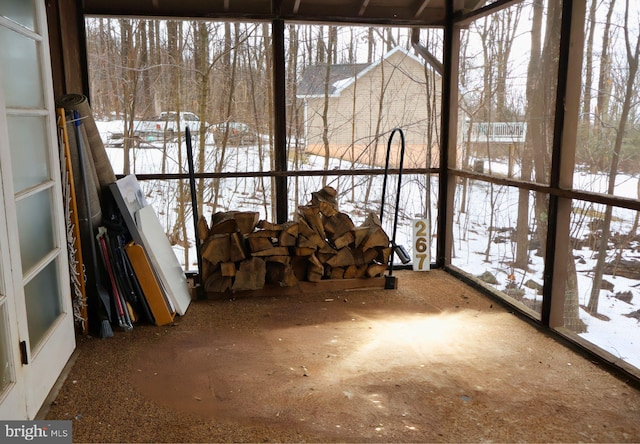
{"type": "Point", "coordinates": [619, 335]}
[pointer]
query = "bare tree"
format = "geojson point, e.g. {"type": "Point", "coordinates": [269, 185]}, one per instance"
{"type": "Point", "coordinates": [588, 62]}
{"type": "Point", "coordinates": [330, 49]}
{"type": "Point", "coordinates": [632, 55]}
{"type": "Point", "coordinates": [229, 106]}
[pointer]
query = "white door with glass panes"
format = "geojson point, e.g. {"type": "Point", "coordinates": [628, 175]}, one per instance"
{"type": "Point", "coordinates": [36, 322]}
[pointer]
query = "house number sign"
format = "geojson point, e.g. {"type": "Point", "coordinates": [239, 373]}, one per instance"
{"type": "Point", "coordinates": [421, 245]}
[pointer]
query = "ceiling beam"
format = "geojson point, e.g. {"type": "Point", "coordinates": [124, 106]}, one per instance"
{"type": "Point", "coordinates": [363, 7]}
{"type": "Point", "coordinates": [422, 7]}
{"type": "Point", "coordinates": [425, 53]}
{"type": "Point", "coordinates": [472, 5]}
{"type": "Point", "coordinates": [366, 12]}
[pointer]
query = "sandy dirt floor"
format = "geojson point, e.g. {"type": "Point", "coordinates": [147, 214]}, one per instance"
{"type": "Point", "coordinates": [433, 361]}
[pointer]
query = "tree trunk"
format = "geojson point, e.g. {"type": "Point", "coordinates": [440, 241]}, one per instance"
{"type": "Point", "coordinates": [228, 112]}
{"type": "Point", "coordinates": [377, 134]}
{"type": "Point", "coordinates": [588, 62]}
{"type": "Point", "coordinates": [128, 92]}
{"type": "Point", "coordinates": [325, 110]}
{"type": "Point", "coordinates": [202, 69]}
{"type": "Point", "coordinates": [632, 61]}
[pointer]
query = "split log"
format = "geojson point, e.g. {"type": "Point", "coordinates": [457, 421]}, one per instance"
{"type": "Point", "coordinates": [216, 283]}
{"type": "Point", "coordinates": [287, 240]}
{"type": "Point", "coordinates": [346, 239]}
{"type": "Point", "coordinates": [375, 235]}
{"type": "Point", "coordinates": [226, 226]}
{"type": "Point", "coordinates": [281, 274]}
{"type": "Point", "coordinates": [344, 258]}
{"type": "Point", "coordinates": [304, 229]}
{"type": "Point", "coordinates": [238, 251]}
{"type": "Point", "coordinates": [360, 234]}
{"type": "Point", "coordinates": [337, 273]}
{"type": "Point", "coordinates": [304, 251]}
{"type": "Point", "coordinates": [315, 270]}
{"type": "Point", "coordinates": [350, 272]}
{"type": "Point", "coordinates": [311, 215]}
{"type": "Point", "coordinates": [269, 234]}
{"type": "Point", "coordinates": [324, 257]}
{"type": "Point", "coordinates": [203, 229]}
{"type": "Point", "coordinates": [216, 248]}
{"type": "Point", "coordinates": [337, 225]}
{"type": "Point", "coordinates": [250, 275]}
{"type": "Point", "coordinates": [228, 269]}
{"type": "Point", "coordinates": [292, 228]}
{"type": "Point", "coordinates": [374, 270]}
{"type": "Point", "coordinates": [383, 255]}
{"type": "Point", "coordinates": [265, 225]}
{"type": "Point", "coordinates": [257, 243]}
{"type": "Point", "coordinates": [325, 200]}
{"type": "Point", "coordinates": [326, 248]}
{"type": "Point", "coordinates": [273, 251]}
{"type": "Point", "coordinates": [246, 221]}
{"type": "Point", "coordinates": [364, 257]}
{"type": "Point", "coordinates": [207, 268]}
{"type": "Point", "coordinates": [312, 241]}
{"type": "Point", "coordinates": [361, 271]}
{"type": "Point", "coordinates": [289, 234]}
{"type": "Point", "coordinates": [376, 238]}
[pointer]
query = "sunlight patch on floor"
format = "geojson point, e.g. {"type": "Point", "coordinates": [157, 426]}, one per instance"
{"type": "Point", "coordinates": [418, 340]}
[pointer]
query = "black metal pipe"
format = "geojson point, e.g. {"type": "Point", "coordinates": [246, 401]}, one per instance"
{"type": "Point", "coordinates": [384, 189]}
{"type": "Point", "coordinates": [280, 120]}
{"type": "Point", "coordinates": [194, 204]}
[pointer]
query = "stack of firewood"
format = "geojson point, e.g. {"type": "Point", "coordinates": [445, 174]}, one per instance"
{"type": "Point", "coordinates": [242, 253]}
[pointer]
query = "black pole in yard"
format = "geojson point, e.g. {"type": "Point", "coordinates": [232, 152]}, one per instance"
{"type": "Point", "coordinates": [199, 285]}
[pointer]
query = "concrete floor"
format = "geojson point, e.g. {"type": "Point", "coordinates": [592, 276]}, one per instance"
{"type": "Point", "coordinates": [433, 361]}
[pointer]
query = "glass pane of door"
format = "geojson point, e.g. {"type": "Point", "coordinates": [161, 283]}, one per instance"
{"type": "Point", "coordinates": [35, 230]}
{"type": "Point", "coordinates": [5, 362]}
{"type": "Point", "coordinates": [20, 11]}
{"type": "Point", "coordinates": [22, 81]}
{"type": "Point", "coordinates": [44, 303]}
{"type": "Point", "coordinates": [29, 161]}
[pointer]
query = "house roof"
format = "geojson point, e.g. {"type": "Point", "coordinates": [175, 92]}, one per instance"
{"type": "Point", "coordinates": [341, 76]}
{"type": "Point", "coordinates": [313, 77]}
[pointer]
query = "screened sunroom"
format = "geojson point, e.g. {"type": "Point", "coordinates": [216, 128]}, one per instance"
{"type": "Point", "coordinates": [496, 140]}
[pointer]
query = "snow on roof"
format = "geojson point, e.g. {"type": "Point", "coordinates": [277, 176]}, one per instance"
{"type": "Point", "coordinates": [341, 76]}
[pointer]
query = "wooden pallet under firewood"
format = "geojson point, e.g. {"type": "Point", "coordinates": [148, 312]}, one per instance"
{"type": "Point", "coordinates": [304, 288]}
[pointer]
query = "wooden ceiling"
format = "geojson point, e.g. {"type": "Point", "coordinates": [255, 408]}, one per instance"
{"type": "Point", "coordinates": [382, 12]}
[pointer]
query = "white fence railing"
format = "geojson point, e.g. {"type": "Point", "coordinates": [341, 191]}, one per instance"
{"type": "Point", "coordinates": [496, 132]}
